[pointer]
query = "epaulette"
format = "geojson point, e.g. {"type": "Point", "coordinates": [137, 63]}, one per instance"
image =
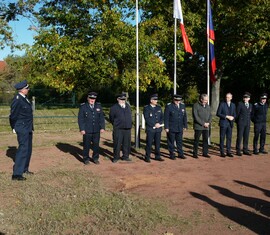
{"type": "Point", "coordinates": [17, 97]}
{"type": "Point", "coordinates": [82, 104]}
{"type": "Point", "coordinates": [168, 103]}
{"type": "Point", "coordinates": [256, 104]}
{"type": "Point", "coordinates": [146, 105]}
{"type": "Point", "coordinates": [98, 103]}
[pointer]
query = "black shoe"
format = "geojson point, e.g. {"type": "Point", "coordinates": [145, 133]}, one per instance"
{"type": "Point", "coordinates": [263, 152]}
{"type": "Point", "coordinates": [96, 162]}
{"type": "Point", "coordinates": [18, 177]}
{"type": "Point", "coordinates": [182, 157]}
{"type": "Point", "coordinates": [172, 157]}
{"type": "Point", "coordinates": [86, 162]}
{"type": "Point", "coordinates": [195, 156]}
{"type": "Point", "coordinates": [115, 160]}
{"type": "Point", "coordinates": [247, 153]}
{"type": "Point", "coordinates": [222, 155]}
{"type": "Point", "coordinates": [229, 155]}
{"type": "Point", "coordinates": [256, 152]}
{"type": "Point", "coordinates": [147, 160]}
{"type": "Point", "coordinates": [29, 172]}
{"type": "Point", "coordinates": [127, 159]}
{"type": "Point", "coordinates": [159, 159]}
{"type": "Point", "coordinates": [239, 154]}
{"type": "Point", "coordinates": [206, 155]}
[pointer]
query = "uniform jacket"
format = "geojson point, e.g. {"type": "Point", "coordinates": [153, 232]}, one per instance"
{"type": "Point", "coordinates": [224, 110]}
{"type": "Point", "coordinates": [121, 118]}
{"type": "Point", "coordinates": [243, 114]}
{"type": "Point", "coordinates": [91, 120]}
{"type": "Point", "coordinates": [153, 115]}
{"type": "Point", "coordinates": [21, 115]}
{"type": "Point", "coordinates": [201, 115]}
{"type": "Point", "coordinates": [259, 113]}
{"type": "Point", "coordinates": [175, 119]}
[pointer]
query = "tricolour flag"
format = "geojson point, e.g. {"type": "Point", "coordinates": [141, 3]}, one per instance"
{"type": "Point", "coordinates": [211, 35]}
{"type": "Point", "coordinates": [177, 13]}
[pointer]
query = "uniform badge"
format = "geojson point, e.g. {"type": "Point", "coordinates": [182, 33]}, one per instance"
{"type": "Point", "coordinates": [183, 110]}
{"type": "Point", "coordinates": [98, 109]}
{"type": "Point", "coordinates": [151, 115]}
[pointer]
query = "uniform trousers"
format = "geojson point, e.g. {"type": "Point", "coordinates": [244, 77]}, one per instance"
{"type": "Point", "coordinates": [23, 154]}
{"type": "Point", "coordinates": [88, 140]}
{"type": "Point", "coordinates": [259, 131]}
{"type": "Point", "coordinates": [242, 133]}
{"type": "Point", "coordinates": [150, 138]}
{"type": "Point", "coordinates": [197, 135]}
{"type": "Point", "coordinates": [121, 138]}
{"type": "Point", "coordinates": [175, 137]}
{"type": "Point", "coordinates": [225, 131]}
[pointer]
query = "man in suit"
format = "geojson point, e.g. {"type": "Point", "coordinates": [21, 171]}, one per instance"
{"type": "Point", "coordinates": [91, 123]}
{"type": "Point", "coordinates": [121, 118]}
{"type": "Point", "coordinates": [175, 121]}
{"type": "Point", "coordinates": [259, 117]}
{"type": "Point", "coordinates": [243, 117]}
{"type": "Point", "coordinates": [202, 118]}
{"type": "Point", "coordinates": [153, 118]}
{"type": "Point", "coordinates": [21, 121]}
{"type": "Point", "coordinates": [226, 113]}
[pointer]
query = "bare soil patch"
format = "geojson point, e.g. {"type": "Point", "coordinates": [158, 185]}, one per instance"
{"type": "Point", "coordinates": [228, 196]}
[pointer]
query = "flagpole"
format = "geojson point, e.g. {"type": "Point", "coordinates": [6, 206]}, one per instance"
{"type": "Point", "coordinates": [208, 64]}
{"type": "Point", "coordinates": [137, 131]}
{"type": "Point", "coordinates": [175, 47]}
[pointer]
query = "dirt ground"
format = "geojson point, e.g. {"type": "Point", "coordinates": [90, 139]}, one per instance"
{"type": "Point", "coordinates": [228, 195]}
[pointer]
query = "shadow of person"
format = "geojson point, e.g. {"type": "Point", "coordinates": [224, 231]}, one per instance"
{"type": "Point", "coordinates": [11, 152]}
{"type": "Point", "coordinates": [252, 221]}
{"type": "Point", "coordinates": [73, 150]}
{"type": "Point", "coordinates": [259, 205]}
{"type": "Point", "coordinates": [106, 153]}
{"type": "Point", "coordinates": [265, 191]}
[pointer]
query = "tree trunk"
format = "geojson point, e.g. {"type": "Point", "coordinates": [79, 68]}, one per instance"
{"type": "Point", "coordinates": [215, 96]}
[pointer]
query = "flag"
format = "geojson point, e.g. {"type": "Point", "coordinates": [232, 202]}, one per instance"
{"type": "Point", "coordinates": [211, 35]}
{"type": "Point", "coordinates": [177, 13]}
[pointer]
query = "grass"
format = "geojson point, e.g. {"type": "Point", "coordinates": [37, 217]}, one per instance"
{"type": "Point", "coordinates": [74, 202]}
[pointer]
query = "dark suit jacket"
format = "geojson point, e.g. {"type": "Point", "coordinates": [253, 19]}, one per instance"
{"type": "Point", "coordinates": [153, 115]}
{"type": "Point", "coordinates": [21, 115]}
{"type": "Point", "coordinates": [243, 114]}
{"type": "Point", "coordinates": [223, 111]}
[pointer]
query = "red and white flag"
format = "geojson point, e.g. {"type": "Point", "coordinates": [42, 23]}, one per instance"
{"type": "Point", "coordinates": [177, 13]}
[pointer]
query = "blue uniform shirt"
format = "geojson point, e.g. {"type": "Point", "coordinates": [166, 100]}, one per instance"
{"type": "Point", "coordinates": [91, 120]}
{"type": "Point", "coordinates": [259, 113]}
{"type": "Point", "coordinates": [153, 115]}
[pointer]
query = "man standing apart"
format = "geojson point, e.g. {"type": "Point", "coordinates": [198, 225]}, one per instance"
{"type": "Point", "coordinates": [226, 113]}
{"type": "Point", "coordinates": [243, 117]}
{"type": "Point", "coordinates": [91, 123]}
{"type": "Point", "coordinates": [175, 120]}
{"type": "Point", "coordinates": [153, 118]}
{"type": "Point", "coordinates": [21, 121]}
{"type": "Point", "coordinates": [259, 117]}
{"type": "Point", "coordinates": [121, 119]}
{"type": "Point", "coordinates": [201, 112]}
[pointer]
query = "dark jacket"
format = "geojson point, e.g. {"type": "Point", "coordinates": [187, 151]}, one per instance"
{"type": "Point", "coordinates": [21, 115]}
{"type": "Point", "coordinates": [259, 113]}
{"type": "Point", "coordinates": [91, 120]}
{"type": "Point", "coordinates": [121, 118]}
{"type": "Point", "coordinates": [243, 114]}
{"type": "Point", "coordinates": [175, 119]}
{"type": "Point", "coordinates": [201, 115]}
{"type": "Point", "coordinates": [223, 111]}
{"type": "Point", "coordinates": [153, 115]}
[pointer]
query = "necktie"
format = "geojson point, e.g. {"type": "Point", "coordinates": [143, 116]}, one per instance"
{"type": "Point", "coordinates": [27, 99]}
{"type": "Point", "coordinates": [91, 106]}
{"type": "Point", "coordinates": [246, 105]}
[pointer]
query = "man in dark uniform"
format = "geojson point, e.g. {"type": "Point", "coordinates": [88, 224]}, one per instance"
{"type": "Point", "coordinates": [202, 118]}
{"type": "Point", "coordinates": [91, 123]}
{"type": "Point", "coordinates": [153, 118]}
{"type": "Point", "coordinates": [259, 117]}
{"type": "Point", "coordinates": [121, 119]}
{"type": "Point", "coordinates": [21, 121]}
{"type": "Point", "coordinates": [175, 120]}
{"type": "Point", "coordinates": [243, 117]}
{"type": "Point", "coordinates": [226, 113]}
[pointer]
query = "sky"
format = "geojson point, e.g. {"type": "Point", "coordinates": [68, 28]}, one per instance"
{"type": "Point", "coordinates": [22, 34]}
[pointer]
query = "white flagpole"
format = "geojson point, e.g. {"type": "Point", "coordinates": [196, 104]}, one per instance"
{"type": "Point", "coordinates": [175, 47]}
{"type": "Point", "coordinates": [137, 131]}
